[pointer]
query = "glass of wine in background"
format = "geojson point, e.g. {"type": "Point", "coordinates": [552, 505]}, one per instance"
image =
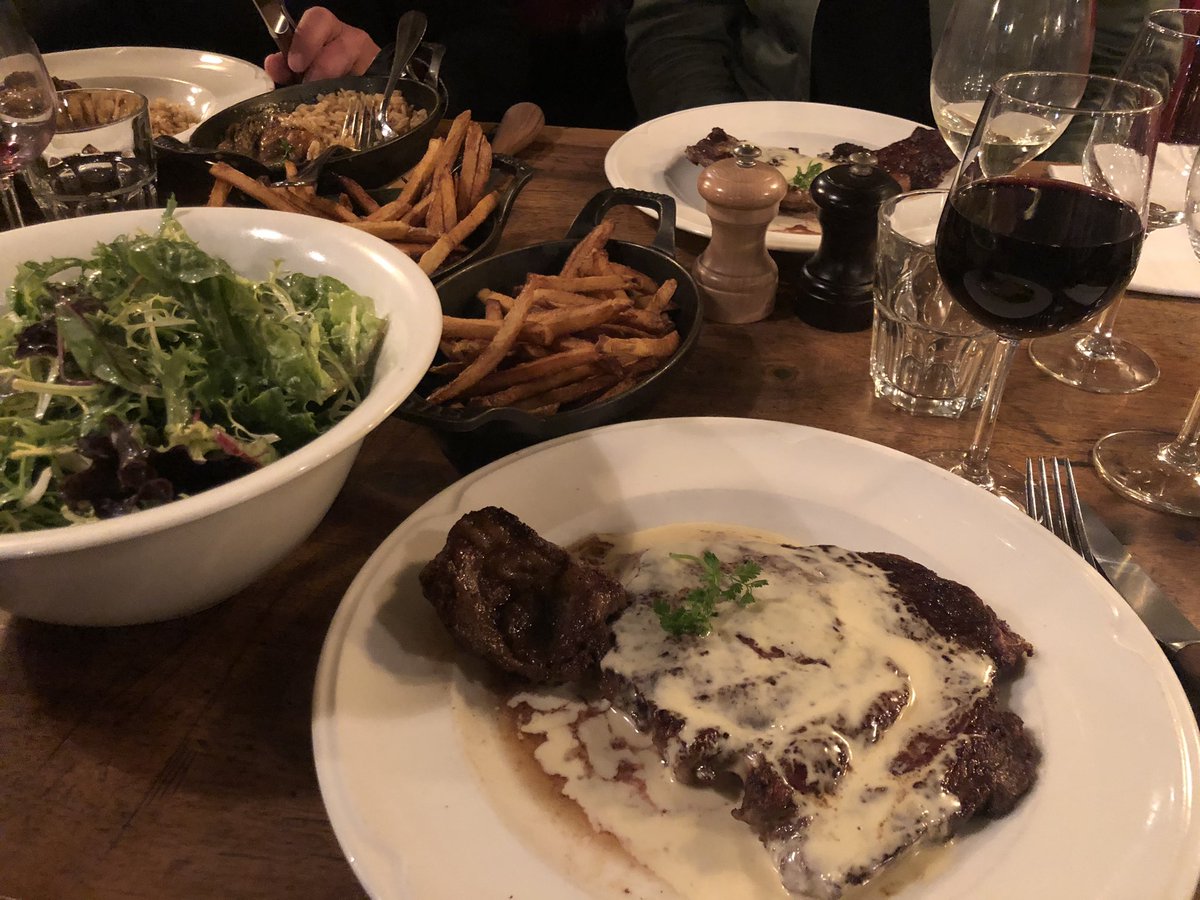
{"type": "Point", "coordinates": [27, 101]}
{"type": "Point", "coordinates": [1030, 242]}
{"type": "Point", "coordinates": [1148, 466]}
{"type": "Point", "coordinates": [984, 40]}
{"type": "Point", "coordinates": [1165, 55]}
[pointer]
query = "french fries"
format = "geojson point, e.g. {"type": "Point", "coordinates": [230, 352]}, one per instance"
{"type": "Point", "coordinates": [443, 199]}
{"type": "Point", "coordinates": [557, 342]}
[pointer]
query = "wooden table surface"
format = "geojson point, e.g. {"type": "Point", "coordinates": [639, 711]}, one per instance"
{"type": "Point", "coordinates": [175, 759]}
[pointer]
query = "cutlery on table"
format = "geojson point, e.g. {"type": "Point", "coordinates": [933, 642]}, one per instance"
{"type": "Point", "coordinates": [279, 22]}
{"type": "Point", "coordinates": [410, 31]}
{"type": "Point", "coordinates": [1052, 500]}
{"type": "Point", "coordinates": [519, 126]}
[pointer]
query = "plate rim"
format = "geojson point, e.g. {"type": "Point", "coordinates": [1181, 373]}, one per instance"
{"type": "Point", "coordinates": [618, 152]}
{"type": "Point", "coordinates": [325, 681]}
{"type": "Point", "coordinates": [256, 80]}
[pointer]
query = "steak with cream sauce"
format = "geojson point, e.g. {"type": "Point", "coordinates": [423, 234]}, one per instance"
{"type": "Point", "coordinates": [918, 161]}
{"type": "Point", "coordinates": [850, 712]}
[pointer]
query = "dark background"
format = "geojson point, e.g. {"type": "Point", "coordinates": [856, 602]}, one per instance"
{"type": "Point", "coordinates": [566, 55]}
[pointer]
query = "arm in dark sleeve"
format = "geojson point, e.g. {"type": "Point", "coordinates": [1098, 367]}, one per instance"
{"type": "Point", "coordinates": [678, 54]}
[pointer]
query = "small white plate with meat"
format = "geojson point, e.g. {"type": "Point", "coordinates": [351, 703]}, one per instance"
{"type": "Point", "coordinates": [432, 796]}
{"type": "Point", "coordinates": [653, 157]}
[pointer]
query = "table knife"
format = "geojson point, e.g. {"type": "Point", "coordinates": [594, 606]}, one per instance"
{"type": "Point", "coordinates": [278, 21]}
{"type": "Point", "coordinates": [1175, 633]}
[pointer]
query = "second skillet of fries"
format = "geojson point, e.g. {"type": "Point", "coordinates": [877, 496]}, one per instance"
{"type": "Point", "coordinates": [441, 201]}
{"type": "Point", "coordinates": [589, 333]}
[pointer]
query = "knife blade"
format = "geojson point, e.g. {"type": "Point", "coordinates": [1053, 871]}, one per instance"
{"type": "Point", "coordinates": [278, 21]}
{"type": "Point", "coordinates": [1175, 633]}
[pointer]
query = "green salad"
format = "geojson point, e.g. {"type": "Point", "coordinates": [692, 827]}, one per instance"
{"type": "Point", "coordinates": [151, 370]}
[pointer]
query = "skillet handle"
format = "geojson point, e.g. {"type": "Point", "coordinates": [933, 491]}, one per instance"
{"type": "Point", "coordinates": [595, 209]}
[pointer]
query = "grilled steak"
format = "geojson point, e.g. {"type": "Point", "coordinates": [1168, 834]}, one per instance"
{"type": "Point", "coordinates": [520, 602]}
{"type": "Point", "coordinates": [849, 712]}
{"type": "Point", "coordinates": [920, 160]}
{"type": "Point", "coordinates": [794, 709]}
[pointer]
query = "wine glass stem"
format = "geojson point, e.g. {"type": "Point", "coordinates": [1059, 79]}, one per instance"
{"type": "Point", "coordinates": [1098, 341]}
{"type": "Point", "coordinates": [1184, 451]}
{"type": "Point", "coordinates": [975, 461]}
{"type": "Point", "coordinates": [8, 199]}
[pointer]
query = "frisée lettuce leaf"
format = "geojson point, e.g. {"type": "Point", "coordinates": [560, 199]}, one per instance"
{"type": "Point", "coordinates": [126, 374]}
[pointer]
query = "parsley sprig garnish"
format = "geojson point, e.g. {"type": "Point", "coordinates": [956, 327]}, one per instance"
{"type": "Point", "coordinates": [693, 614]}
{"type": "Point", "coordinates": [804, 177]}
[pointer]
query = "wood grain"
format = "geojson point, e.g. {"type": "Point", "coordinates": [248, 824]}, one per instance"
{"type": "Point", "coordinates": [175, 759]}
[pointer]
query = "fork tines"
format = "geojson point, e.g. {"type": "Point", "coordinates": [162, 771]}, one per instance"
{"type": "Point", "coordinates": [1053, 500]}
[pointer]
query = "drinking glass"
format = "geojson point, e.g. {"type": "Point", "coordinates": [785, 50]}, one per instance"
{"type": "Point", "coordinates": [26, 106]}
{"type": "Point", "coordinates": [1165, 55]}
{"type": "Point", "coordinates": [1148, 466]}
{"type": "Point", "coordinates": [984, 40]}
{"type": "Point", "coordinates": [1031, 246]}
{"type": "Point", "coordinates": [927, 354]}
{"type": "Point", "coordinates": [101, 158]}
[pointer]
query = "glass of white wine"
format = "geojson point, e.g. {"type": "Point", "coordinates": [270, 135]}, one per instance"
{"type": "Point", "coordinates": [985, 39]}
{"type": "Point", "coordinates": [27, 105]}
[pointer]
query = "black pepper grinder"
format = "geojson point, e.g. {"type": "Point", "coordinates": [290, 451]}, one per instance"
{"type": "Point", "coordinates": [833, 292]}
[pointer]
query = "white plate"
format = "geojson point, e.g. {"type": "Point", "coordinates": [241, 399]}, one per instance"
{"type": "Point", "coordinates": [207, 82]}
{"type": "Point", "coordinates": [401, 736]}
{"type": "Point", "coordinates": [650, 157]}
{"type": "Point", "coordinates": [1168, 265]}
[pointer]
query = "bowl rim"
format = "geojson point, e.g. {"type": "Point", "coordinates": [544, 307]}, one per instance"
{"type": "Point", "coordinates": [386, 392]}
{"type": "Point", "coordinates": [253, 105]}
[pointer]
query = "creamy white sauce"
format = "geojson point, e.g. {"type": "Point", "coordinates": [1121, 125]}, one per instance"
{"type": "Point", "coordinates": [789, 161]}
{"type": "Point", "coordinates": [792, 677]}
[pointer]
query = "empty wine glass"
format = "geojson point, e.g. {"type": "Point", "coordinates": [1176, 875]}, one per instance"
{"type": "Point", "coordinates": [1165, 55]}
{"type": "Point", "coordinates": [1031, 246]}
{"type": "Point", "coordinates": [984, 40]}
{"type": "Point", "coordinates": [27, 101]}
{"type": "Point", "coordinates": [1148, 466]}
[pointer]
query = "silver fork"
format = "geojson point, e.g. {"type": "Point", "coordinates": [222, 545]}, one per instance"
{"type": "Point", "coordinates": [359, 122]}
{"type": "Point", "coordinates": [1052, 500]}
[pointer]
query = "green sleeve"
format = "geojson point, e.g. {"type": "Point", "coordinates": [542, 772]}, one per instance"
{"type": "Point", "coordinates": [679, 54]}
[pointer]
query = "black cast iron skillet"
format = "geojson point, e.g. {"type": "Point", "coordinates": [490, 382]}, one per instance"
{"type": "Point", "coordinates": [472, 437]}
{"type": "Point", "coordinates": [370, 168]}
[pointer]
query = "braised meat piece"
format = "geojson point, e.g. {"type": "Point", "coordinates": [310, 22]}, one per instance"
{"type": "Point", "coordinates": [520, 602]}
{"type": "Point", "coordinates": [279, 143]}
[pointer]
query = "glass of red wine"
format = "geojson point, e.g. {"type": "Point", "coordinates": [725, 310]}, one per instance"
{"type": "Point", "coordinates": [1044, 222]}
{"type": "Point", "coordinates": [1151, 467]}
{"type": "Point", "coordinates": [27, 106]}
{"type": "Point", "coordinates": [1165, 55]}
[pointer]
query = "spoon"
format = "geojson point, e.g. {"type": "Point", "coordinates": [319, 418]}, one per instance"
{"type": "Point", "coordinates": [520, 124]}
{"type": "Point", "coordinates": [409, 32]}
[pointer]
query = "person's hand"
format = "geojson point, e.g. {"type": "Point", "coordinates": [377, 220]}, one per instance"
{"type": "Point", "coordinates": [323, 47]}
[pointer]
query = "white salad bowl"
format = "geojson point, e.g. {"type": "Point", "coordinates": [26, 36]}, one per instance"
{"type": "Point", "coordinates": [175, 559]}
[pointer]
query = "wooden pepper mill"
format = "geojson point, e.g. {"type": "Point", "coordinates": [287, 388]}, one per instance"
{"type": "Point", "coordinates": [834, 290]}
{"type": "Point", "coordinates": [736, 275]}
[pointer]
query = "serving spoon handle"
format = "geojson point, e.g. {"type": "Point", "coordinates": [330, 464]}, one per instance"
{"type": "Point", "coordinates": [519, 126]}
{"type": "Point", "coordinates": [410, 31]}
